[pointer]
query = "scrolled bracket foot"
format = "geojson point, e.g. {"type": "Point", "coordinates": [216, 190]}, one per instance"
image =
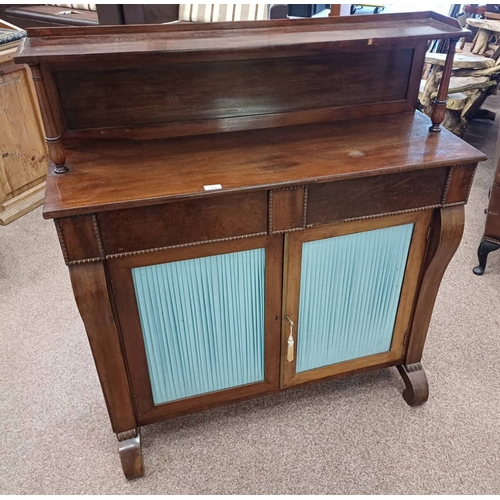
{"type": "Point", "coordinates": [485, 247]}
{"type": "Point", "coordinates": [417, 388]}
{"type": "Point", "coordinates": [129, 448]}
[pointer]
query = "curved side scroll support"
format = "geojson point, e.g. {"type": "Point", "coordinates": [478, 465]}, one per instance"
{"type": "Point", "coordinates": [445, 237]}
{"type": "Point", "coordinates": [52, 137]}
{"type": "Point", "coordinates": [91, 288]}
{"type": "Point", "coordinates": [129, 447]}
{"type": "Point", "coordinates": [417, 388]}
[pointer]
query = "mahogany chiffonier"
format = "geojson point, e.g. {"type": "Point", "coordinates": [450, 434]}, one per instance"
{"type": "Point", "coordinates": [247, 207]}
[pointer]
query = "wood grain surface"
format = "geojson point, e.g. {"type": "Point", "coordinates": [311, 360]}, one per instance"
{"type": "Point", "coordinates": [106, 175]}
{"type": "Point", "coordinates": [233, 40]}
{"type": "Point", "coordinates": [333, 201]}
{"type": "Point", "coordinates": [23, 153]}
{"type": "Point", "coordinates": [92, 295]}
{"type": "Point", "coordinates": [184, 222]}
{"type": "Point", "coordinates": [445, 236]}
{"type": "Point", "coordinates": [213, 90]}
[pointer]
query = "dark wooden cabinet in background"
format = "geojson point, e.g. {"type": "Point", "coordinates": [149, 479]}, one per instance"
{"type": "Point", "coordinates": [245, 207]}
{"type": "Point", "coordinates": [491, 236]}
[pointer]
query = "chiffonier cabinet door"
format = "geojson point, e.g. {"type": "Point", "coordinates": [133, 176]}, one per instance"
{"type": "Point", "coordinates": [349, 291]}
{"type": "Point", "coordinates": [200, 323]}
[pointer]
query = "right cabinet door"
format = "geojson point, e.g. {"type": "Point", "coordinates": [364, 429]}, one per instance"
{"type": "Point", "coordinates": [349, 293]}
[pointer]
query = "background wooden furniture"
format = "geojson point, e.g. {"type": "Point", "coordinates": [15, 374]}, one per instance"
{"type": "Point", "coordinates": [113, 14]}
{"type": "Point", "coordinates": [340, 9]}
{"type": "Point", "coordinates": [29, 15]}
{"type": "Point", "coordinates": [491, 237]}
{"type": "Point", "coordinates": [486, 29]}
{"type": "Point", "coordinates": [238, 214]}
{"type": "Point", "coordinates": [23, 153]}
{"type": "Point", "coordinates": [473, 79]}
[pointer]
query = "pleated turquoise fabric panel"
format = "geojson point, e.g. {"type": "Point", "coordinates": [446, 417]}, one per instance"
{"type": "Point", "coordinates": [202, 323]}
{"type": "Point", "coordinates": [349, 294]}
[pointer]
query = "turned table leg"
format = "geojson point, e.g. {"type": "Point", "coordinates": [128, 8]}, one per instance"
{"type": "Point", "coordinates": [439, 111]}
{"type": "Point", "coordinates": [417, 388]}
{"type": "Point", "coordinates": [482, 254]}
{"type": "Point", "coordinates": [129, 447]}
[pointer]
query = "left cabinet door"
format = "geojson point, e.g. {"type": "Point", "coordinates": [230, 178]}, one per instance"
{"type": "Point", "coordinates": [201, 324]}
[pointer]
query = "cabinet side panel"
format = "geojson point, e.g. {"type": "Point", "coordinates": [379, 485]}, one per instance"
{"type": "Point", "coordinates": [492, 228]}
{"type": "Point", "coordinates": [349, 294]}
{"type": "Point", "coordinates": [91, 290]}
{"type": "Point", "coordinates": [203, 323]}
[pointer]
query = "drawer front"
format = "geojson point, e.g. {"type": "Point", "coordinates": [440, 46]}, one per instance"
{"type": "Point", "coordinates": [117, 233]}
{"type": "Point", "coordinates": [335, 201]}
{"type": "Point", "coordinates": [183, 222]}
{"type": "Point", "coordinates": [459, 183]}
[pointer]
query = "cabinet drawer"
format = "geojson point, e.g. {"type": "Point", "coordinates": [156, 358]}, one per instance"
{"type": "Point", "coordinates": [334, 201]}
{"type": "Point", "coordinates": [183, 222]}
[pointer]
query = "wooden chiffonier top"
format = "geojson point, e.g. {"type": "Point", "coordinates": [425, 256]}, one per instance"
{"type": "Point", "coordinates": [153, 172]}
{"type": "Point", "coordinates": [151, 114]}
{"type": "Point", "coordinates": [234, 40]}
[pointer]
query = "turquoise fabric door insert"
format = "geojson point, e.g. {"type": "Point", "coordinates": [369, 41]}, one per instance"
{"type": "Point", "coordinates": [349, 294]}
{"type": "Point", "coordinates": [202, 323]}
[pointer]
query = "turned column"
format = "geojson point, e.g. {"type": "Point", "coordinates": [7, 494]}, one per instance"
{"type": "Point", "coordinates": [439, 110]}
{"type": "Point", "coordinates": [52, 137]}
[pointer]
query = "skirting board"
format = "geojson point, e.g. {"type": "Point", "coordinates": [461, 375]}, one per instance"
{"type": "Point", "coordinates": [21, 204]}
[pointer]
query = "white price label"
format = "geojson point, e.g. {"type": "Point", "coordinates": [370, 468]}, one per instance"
{"type": "Point", "coordinates": [212, 187]}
